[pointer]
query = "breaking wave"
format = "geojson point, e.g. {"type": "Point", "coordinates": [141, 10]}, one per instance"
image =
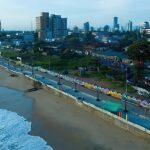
{"type": "Point", "coordinates": [14, 133]}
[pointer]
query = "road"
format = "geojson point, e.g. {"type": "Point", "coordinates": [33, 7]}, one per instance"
{"type": "Point", "coordinates": [135, 114]}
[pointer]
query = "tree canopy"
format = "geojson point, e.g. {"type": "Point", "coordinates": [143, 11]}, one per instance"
{"type": "Point", "coordinates": [139, 51]}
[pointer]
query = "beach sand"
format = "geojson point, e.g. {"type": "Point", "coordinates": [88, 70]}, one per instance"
{"type": "Point", "coordinates": [66, 126]}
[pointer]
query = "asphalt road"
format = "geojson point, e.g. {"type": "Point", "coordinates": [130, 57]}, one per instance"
{"type": "Point", "coordinates": [137, 114]}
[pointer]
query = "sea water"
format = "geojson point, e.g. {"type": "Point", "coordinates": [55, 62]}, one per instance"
{"type": "Point", "coordinates": [14, 133]}
{"type": "Point", "coordinates": [14, 129]}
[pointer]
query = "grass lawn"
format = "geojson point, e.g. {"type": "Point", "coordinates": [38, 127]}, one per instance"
{"type": "Point", "coordinates": [9, 53]}
{"type": "Point", "coordinates": [57, 63]}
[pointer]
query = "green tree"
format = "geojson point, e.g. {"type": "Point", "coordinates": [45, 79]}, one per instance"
{"type": "Point", "coordinates": [73, 42]}
{"type": "Point", "coordinates": [139, 52]}
{"type": "Point", "coordinates": [89, 38]}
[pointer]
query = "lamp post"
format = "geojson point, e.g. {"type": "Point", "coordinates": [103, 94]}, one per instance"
{"type": "Point", "coordinates": [32, 65]}
{"type": "Point", "coordinates": [59, 83]}
{"type": "Point", "coordinates": [97, 91]}
{"type": "Point", "coordinates": [8, 62]}
{"type": "Point", "coordinates": [75, 86]}
{"type": "Point", "coordinates": [126, 92]}
{"type": "Point", "coordinates": [49, 61]}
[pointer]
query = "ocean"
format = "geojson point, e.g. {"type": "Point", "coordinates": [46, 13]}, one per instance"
{"type": "Point", "coordinates": [16, 122]}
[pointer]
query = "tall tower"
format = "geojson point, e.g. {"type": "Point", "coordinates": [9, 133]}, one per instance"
{"type": "Point", "coordinates": [42, 26]}
{"type": "Point", "coordinates": [58, 26]}
{"type": "Point", "coordinates": [86, 27]}
{"type": "Point", "coordinates": [129, 26]}
{"type": "Point", "coordinates": [64, 27]}
{"type": "Point", "coordinates": [115, 24]}
{"type": "Point", "coordinates": [45, 20]}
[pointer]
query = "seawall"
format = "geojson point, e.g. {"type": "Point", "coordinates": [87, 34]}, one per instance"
{"type": "Point", "coordinates": [105, 115]}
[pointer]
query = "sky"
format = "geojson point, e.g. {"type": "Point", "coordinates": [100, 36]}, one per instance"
{"type": "Point", "coordinates": [18, 14]}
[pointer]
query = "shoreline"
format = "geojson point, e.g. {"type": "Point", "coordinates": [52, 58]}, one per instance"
{"type": "Point", "coordinates": [70, 127]}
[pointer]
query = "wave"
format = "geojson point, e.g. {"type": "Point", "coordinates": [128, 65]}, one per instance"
{"type": "Point", "coordinates": [14, 133]}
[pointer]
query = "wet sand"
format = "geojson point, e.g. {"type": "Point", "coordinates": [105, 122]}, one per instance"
{"type": "Point", "coordinates": [66, 126]}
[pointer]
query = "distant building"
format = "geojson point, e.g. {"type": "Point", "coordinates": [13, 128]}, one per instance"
{"type": "Point", "coordinates": [64, 27]}
{"type": "Point", "coordinates": [129, 26]}
{"type": "Point", "coordinates": [92, 29]}
{"type": "Point", "coordinates": [75, 29]}
{"type": "Point", "coordinates": [86, 27]}
{"type": "Point", "coordinates": [146, 31]}
{"type": "Point", "coordinates": [58, 26]}
{"type": "Point", "coordinates": [49, 27]}
{"type": "Point", "coordinates": [106, 28]}
{"type": "Point", "coordinates": [146, 24]}
{"type": "Point", "coordinates": [42, 26]}
{"type": "Point", "coordinates": [122, 29]}
{"type": "Point", "coordinates": [115, 24]}
{"type": "Point", "coordinates": [28, 37]}
{"type": "Point", "coordinates": [145, 28]}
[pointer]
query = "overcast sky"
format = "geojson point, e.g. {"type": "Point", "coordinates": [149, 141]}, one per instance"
{"type": "Point", "coordinates": [18, 14]}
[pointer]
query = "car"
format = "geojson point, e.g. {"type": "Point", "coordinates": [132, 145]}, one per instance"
{"type": "Point", "coordinates": [143, 92]}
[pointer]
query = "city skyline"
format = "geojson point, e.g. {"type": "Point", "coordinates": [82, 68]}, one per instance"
{"type": "Point", "coordinates": [20, 14]}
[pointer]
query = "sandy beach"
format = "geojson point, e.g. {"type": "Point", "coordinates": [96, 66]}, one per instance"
{"type": "Point", "coordinates": [66, 126]}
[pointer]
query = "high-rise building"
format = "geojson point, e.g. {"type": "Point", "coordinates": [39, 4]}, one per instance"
{"type": "Point", "coordinates": [86, 27]}
{"type": "Point", "coordinates": [42, 26]}
{"type": "Point", "coordinates": [129, 26]}
{"type": "Point", "coordinates": [115, 24]}
{"type": "Point", "coordinates": [49, 27]}
{"type": "Point", "coordinates": [64, 27]}
{"type": "Point", "coordinates": [39, 25]}
{"type": "Point", "coordinates": [45, 17]}
{"type": "Point", "coordinates": [58, 26]}
{"type": "Point", "coordinates": [55, 25]}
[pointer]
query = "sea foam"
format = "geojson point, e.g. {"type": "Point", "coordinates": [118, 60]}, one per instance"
{"type": "Point", "coordinates": [14, 133]}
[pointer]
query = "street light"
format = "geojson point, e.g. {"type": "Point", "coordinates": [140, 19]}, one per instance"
{"type": "Point", "coordinates": [32, 66]}
{"type": "Point", "coordinates": [8, 62]}
{"type": "Point", "coordinates": [75, 86]}
{"type": "Point", "coordinates": [59, 83]}
{"type": "Point", "coordinates": [126, 91]}
{"type": "Point", "coordinates": [97, 91]}
{"type": "Point", "coordinates": [49, 61]}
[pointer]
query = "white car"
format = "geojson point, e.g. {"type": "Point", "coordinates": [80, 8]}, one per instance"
{"type": "Point", "coordinates": [141, 91]}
